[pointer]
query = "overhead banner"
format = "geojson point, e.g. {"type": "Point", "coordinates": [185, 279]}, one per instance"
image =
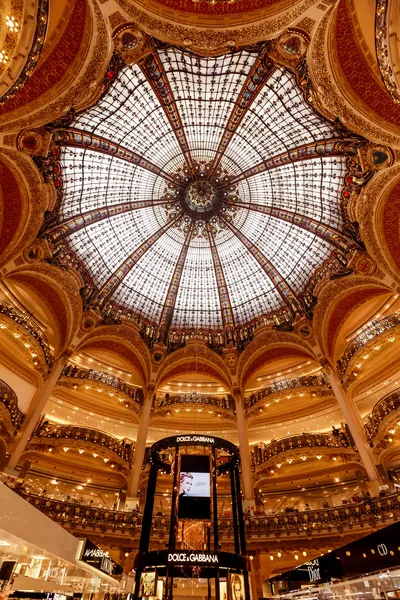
{"type": "Point", "coordinates": [194, 487]}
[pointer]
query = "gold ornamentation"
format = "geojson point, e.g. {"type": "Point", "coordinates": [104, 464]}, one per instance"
{"type": "Point", "coordinates": [327, 94]}
{"type": "Point", "coordinates": [34, 142]}
{"type": "Point", "coordinates": [368, 210]}
{"type": "Point", "coordinates": [212, 39]}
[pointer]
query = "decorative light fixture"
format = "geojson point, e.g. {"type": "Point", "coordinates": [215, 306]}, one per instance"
{"type": "Point", "coordinates": [65, 448]}
{"type": "Point", "coordinates": [12, 24]}
{"type": "Point", "coordinates": [4, 60]}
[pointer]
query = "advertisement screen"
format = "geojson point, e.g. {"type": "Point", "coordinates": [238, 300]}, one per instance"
{"type": "Point", "coordinates": [194, 487]}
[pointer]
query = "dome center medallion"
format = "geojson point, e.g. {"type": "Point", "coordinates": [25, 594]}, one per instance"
{"type": "Point", "coordinates": [201, 197]}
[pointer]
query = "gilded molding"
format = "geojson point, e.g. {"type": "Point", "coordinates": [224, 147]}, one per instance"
{"type": "Point", "coordinates": [264, 340]}
{"type": "Point", "coordinates": [197, 352]}
{"type": "Point", "coordinates": [129, 336]}
{"type": "Point", "coordinates": [66, 284]}
{"type": "Point", "coordinates": [39, 198]}
{"type": "Point", "coordinates": [331, 295]}
{"type": "Point", "coordinates": [82, 90]}
{"type": "Point", "coordinates": [212, 39]}
{"type": "Point", "coordinates": [369, 205]}
{"type": "Point", "coordinates": [327, 91]}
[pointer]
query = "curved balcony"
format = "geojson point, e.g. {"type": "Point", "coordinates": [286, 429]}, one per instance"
{"type": "Point", "coordinates": [286, 384]}
{"type": "Point", "coordinates": [83, 434]}
{"type": "Point", "coordinates": [262, 453]}
{"type": "Point", "coordinates": [24, 320]}
{"type": "Point", "coordinates": [368, 511]}
{"type": "Point", "coordinates": [134, 393]}
{"type": "Point", "coordinates": [226, 403]}
{"type": "Point", "coordinates": [9, 400]}
{"type": "Point", "coordinates": [382, 408]}
{"type": "Point", "coordinates": [371, 332]}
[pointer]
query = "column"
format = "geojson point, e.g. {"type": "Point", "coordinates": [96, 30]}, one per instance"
{"type": "Point", "coordinates": [256, 579]}
{"type": "Point", "coordinates": [354, 422]}
{"type": "Point", "coordinates": [244, 448]}
{"type": "Point", "coordinates": [140, 447]}
{"type": "Point", "coordinates": [36, 408]}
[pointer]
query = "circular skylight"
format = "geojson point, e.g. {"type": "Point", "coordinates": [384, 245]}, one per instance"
{"type": "Point", "coordinates": [201, 192]}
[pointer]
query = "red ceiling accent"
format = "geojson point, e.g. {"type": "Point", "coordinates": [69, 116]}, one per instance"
{"type": "Point", "coordinates": [55, 67]}
{"type": "Point", "coordinates": [357, 71]}
{"type": "Point", "coordinates": [221, 8]}
{"type": "Point", "coordinates": [391, 224]}
{"type": "Point", "coordinates": [12, 207]}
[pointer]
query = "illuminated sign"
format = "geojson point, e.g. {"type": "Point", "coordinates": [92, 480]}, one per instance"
{"type": "Point", "coordinates": [313, 570]}
{"type": "Point", "coordinates": [193, 558]}
{"type": "Point", "coordinates": [382, 549]}
{"type": "Point", "coordinates": [97, 558]}
{"type": "Point", "coordinates": [191, 439]}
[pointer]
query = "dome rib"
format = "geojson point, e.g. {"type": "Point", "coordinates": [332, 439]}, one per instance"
{"type": "Point", "coordinates": [231, 171]}
{"type": "Point", "coordinates": [325, 232]}
{"type": "Point", "coordinates": [153, 69]}
{"type": "Point", "coordinates": [172, 294]}
{"type": "Point", "coordinates": [320, 149]}
{"type": "Point", "coordinates": [76, 223]}
{"type": "Point", "coordinates": [123, 269]}
{"type": "Point", "coordinates": [259, 74]}
{"type": "Point", "coordinates": [83, 139]}
{"type": "Point", "coordinates": [223, 293]}
{"type": "Point", "coordinates": [281, 285]}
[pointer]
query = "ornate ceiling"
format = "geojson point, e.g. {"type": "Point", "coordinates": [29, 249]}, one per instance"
{"type": "Point", "coordinates": [202, 192]}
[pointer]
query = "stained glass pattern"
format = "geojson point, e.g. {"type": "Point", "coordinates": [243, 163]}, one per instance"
{"type": "Point", "coordinates": [205, 92]}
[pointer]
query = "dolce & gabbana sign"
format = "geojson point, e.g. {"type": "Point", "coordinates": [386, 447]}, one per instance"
{"type": "Point", "coordinates": [193, 558]}
{"type": "Point", "coordinates": [194, 439]}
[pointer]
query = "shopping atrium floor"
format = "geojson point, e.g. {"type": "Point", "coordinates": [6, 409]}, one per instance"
{"type": "Point", "coordinates": [200, 241]}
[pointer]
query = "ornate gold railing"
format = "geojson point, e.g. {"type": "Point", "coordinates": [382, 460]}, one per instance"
{"type": "Point", "coordinates": [261, 453]}
{"type": "Point", "coordinates": [9, 399]}
{"type": "Point", "coordinates": [365, 336]}
{"type": "Point", "coordinates": [24, 320]}
{"type": "Point", "coordinates": [84, 434]}
{"type": "Point", "coordinates": [227, 403]}
{"type": "Point", "coordinates": [287, 384]}
{"type": "Point", "coordinates": [134, 393]}
{"type": "Point", "coordinates": [382, 408]}
{"type": "Point", "coordinates": [367, 511]}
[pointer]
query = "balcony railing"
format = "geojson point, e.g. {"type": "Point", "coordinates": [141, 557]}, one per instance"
{"type": "Point", "coordinates": [382, 408]}
{"type": "Point", "coordinates": [367, 511]}
{"type": "Point", "coordinates": [261, 453]}
{"type": "Point", "coordinates": [136, 394]}
{"type": "Point", "coordinates": [227, 403]}
{"type": "Point", "coordinates": [9, 399]}
{"type": "Point", "coordinates": [25, 321]}
{"type": "Point", "coordinates": [365, 336]}
{"type": "Point", "coordinates": [287, 384]}
{"type": "Point", "coordinates": [84, 434]}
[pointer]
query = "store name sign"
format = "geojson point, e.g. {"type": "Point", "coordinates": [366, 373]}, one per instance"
{"type": "Point", "coordinates": [191, 439]}
{"type": "Point", "coordinates": [313, 570]}
{"type": "Point", "coordinates": [94, 556]}
{"type": "Point", "coordinates": [194, 558]}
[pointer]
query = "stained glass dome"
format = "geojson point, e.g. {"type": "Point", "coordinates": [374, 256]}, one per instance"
{"type": "Point", "coordinates": [201, 192]}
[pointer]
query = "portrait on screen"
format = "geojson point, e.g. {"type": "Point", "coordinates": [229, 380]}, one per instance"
{"type": "Point", "coordinates": [148, 584]}
{"type": "Point", "coordinates": [194, 487]}
{"type": "Point", "coordinates": [236, 586]}
{"type": "Point", "coordinates": [194, 484]}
